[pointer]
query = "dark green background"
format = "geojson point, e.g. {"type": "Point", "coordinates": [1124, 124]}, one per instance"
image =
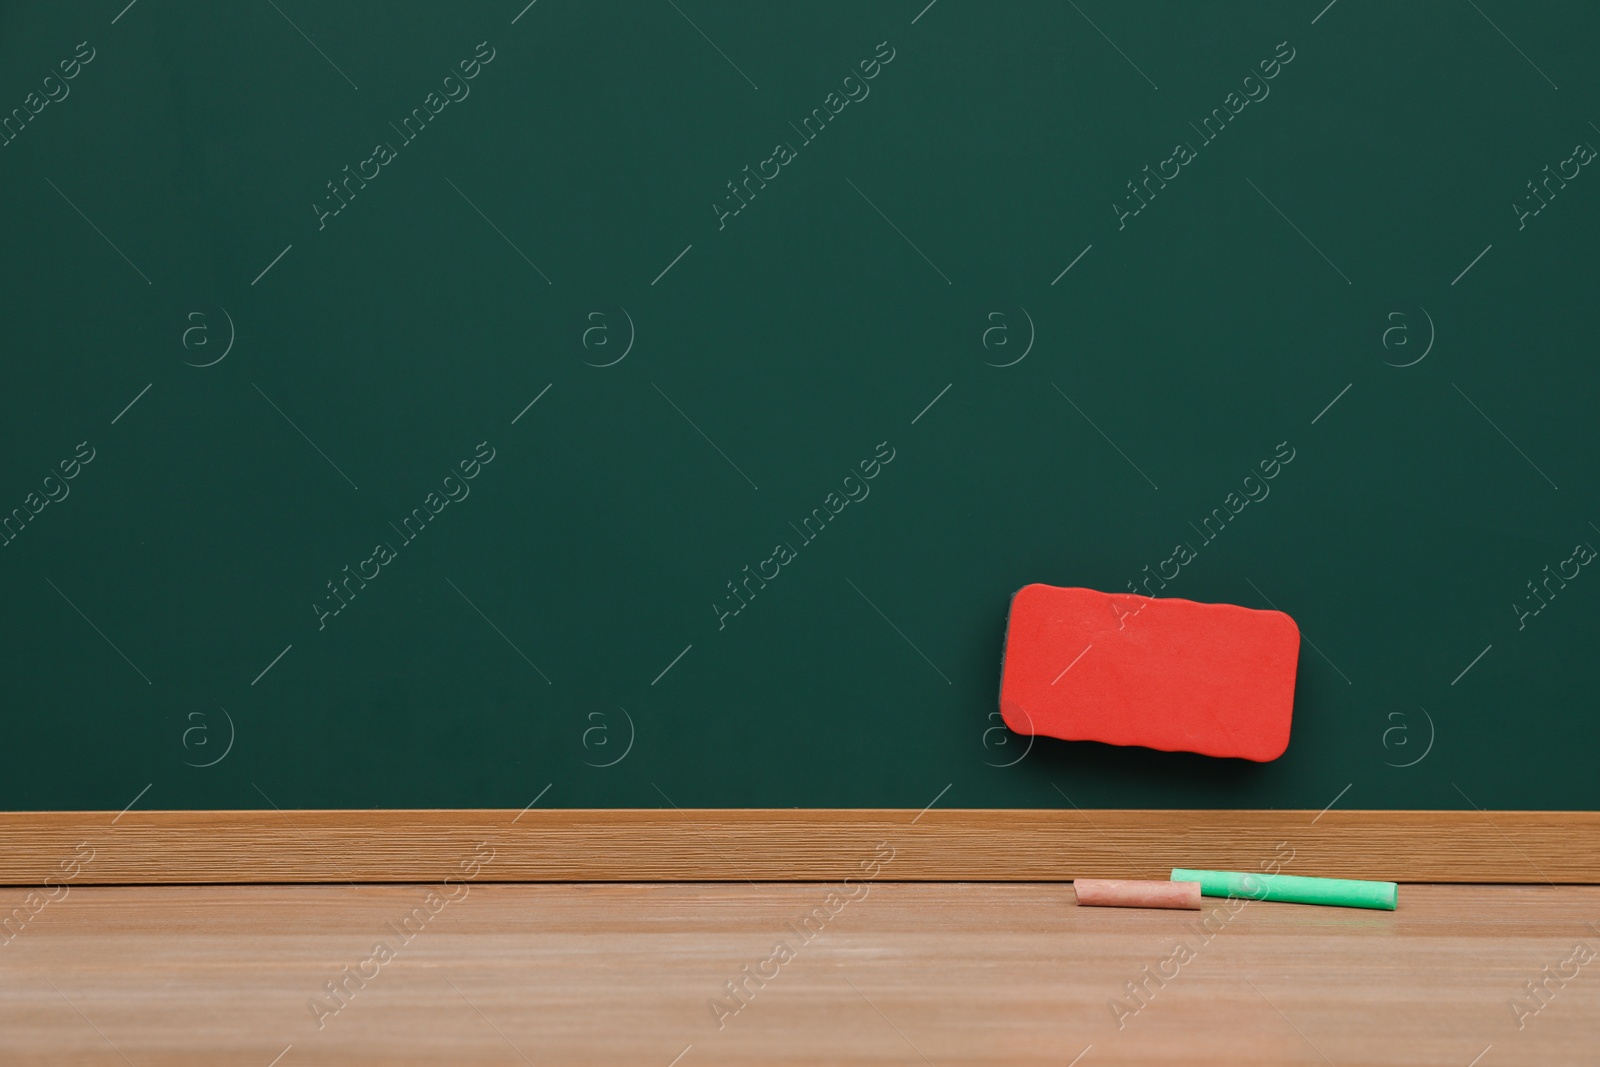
{"type": "Point", "coordinates": [797, 338]}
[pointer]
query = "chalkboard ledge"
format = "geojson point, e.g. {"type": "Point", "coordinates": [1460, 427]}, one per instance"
{"type": "Point", "coordinates": [631, 845]}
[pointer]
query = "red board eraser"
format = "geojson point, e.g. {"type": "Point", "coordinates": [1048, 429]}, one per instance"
{"type": "Point", "coordinates": [1162, 673]}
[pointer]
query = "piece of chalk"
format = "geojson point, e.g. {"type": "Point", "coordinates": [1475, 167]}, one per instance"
{"type": "Point", "coordinates": [1293, 888]}
{"type": "Point", "coordinates": [1119, 893]}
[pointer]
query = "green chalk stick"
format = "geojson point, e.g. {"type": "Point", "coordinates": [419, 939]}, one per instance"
{"type": "Point", "coordinates": [1293, 889]}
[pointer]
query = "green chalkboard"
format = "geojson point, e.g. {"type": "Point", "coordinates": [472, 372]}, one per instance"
{"type": "Point", "coordinates": [658, 402]}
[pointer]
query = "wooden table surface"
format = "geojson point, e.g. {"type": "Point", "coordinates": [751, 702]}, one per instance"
{"type": "Point", "coordinates": [904, 973]}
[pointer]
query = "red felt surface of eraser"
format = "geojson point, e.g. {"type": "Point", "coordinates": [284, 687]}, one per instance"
{"type": "Point", "coordinates": [1158, 672]}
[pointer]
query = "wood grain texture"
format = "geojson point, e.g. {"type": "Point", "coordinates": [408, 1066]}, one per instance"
{"type": "Point", "coordinates": [184, 847]}
{"type": "Point", "coordinates": [948, 974]}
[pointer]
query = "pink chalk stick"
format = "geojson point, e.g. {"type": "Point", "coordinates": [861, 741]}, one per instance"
{"type": "Point", "coordinates": [1117, 893]}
